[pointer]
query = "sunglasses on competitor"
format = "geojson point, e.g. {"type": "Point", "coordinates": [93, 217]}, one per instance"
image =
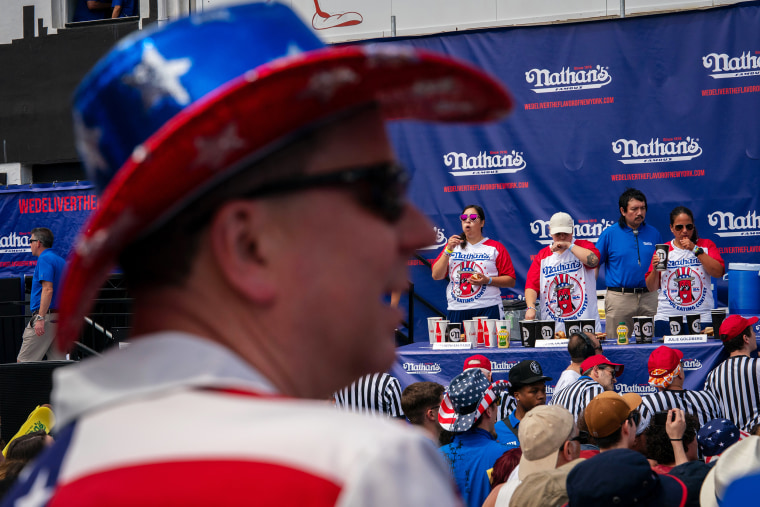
{"type": "Point", "coordinates": [472, 217]}
{"type": "Point", "coordinates": [689, 227]}
{"type": "Point", "coordinates": [379, 188]}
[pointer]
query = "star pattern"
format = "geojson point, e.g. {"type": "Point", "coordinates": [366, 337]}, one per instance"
{"type": "Point", "coordinates": [38, 494]}
{"type": "Point", "coordinates": [88, 145]}
{"type": "Point", "coordinates": [325, 84]}
{"type": "Point", "coordinates": [157, 78]}
{"type": "Point", "coordinates": [213, 151]}
{"type": "Point", "coordinates": [716, 436]}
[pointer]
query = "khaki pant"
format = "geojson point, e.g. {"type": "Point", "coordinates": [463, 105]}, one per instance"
{"type": "Point", "coordinates": [34, 348]}
{"type": "Point", "coordinates": [619, 307]}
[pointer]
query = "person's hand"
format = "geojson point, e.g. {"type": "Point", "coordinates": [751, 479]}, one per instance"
{"type": "Point", "coordinates": [675, 426]}
{"type": "Point", "coordinates": [559, 246]}
{"type": "Point", "coordinates": [454, 241]}
{"type": "Point", "coordinates": [530, 314]}
{"type": "Point", "coordinates": [39, 327]}
{"type": "Point", "coordinates": [686, 243]}
{"type": "Point", "coordinates": [479, 279]}
{"type": "Point", "coordinates": [655, 258]}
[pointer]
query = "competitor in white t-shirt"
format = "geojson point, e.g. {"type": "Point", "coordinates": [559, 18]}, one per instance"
{"type": "Point", "coordinates": [477, 267]}
{"type": "Point", "coordinates": [685, 284]}
{"type": "Point", "coordinates": [563, 275]}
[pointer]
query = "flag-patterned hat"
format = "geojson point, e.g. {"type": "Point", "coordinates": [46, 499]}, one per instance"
{"type": "Point", "coordinates": [173, 110]}
{"type": "Point", "coordinates": [468, 396]}
{"type": "Point", "coordinates": [716, 436]}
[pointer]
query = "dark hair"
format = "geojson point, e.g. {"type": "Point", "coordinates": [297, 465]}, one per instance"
{"type": "Point", "coordinates": [611, 439]}
{"type": "Point", "coordinates": [481, 214]}
{"type": "Point", "coordinates": [10, 469]}
{"type": "Point", "coordinates": [683, 210]}
{"type": "Point", "coordinates": [659, 447]}
{"type": "Point", "coordinates": [26, 447]}
{"type": "Point", "coordinates": [45, 236]}
{"type": "Point", "coordinates": [418, 397]}
{"type": "Point", "coordinates": [755, 430]}
{"type": "Point", "coordinates": [737, 342]}
{"type": "Point", "coordinates": [505, 465]}
{"type": "Point", "coordinates": [580, 347]}
{"type": "Point", "coordinates": [625, 198]}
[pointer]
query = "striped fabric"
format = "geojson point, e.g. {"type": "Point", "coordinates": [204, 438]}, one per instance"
{"type": "Point", "coordinates": [702, 404]}
{"type": "Point", "coordinates": [375, 394]}
{"type": "Point", "coordinates": [576, 396]}
{"type": "Point", "coordinates": [735, 383]}
{"type": "Point", "coordinates": [508, 405]}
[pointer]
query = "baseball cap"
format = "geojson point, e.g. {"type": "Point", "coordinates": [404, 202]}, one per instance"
{"type": "Point", "coordinates": [716, 436]}
{"type": "Point", "coordinates": [663, 365]}
{"type": "Point", "coordinates": [477, 361]}
{"type": "Point", "coordinates": [542, 431]}
{"type": "Point", "coordinates": [468, 396]}
{"type": "Point", "coordinates": [742, 458]}
{"type": "Point", "coordinates": [608, 411]}
{"type": "Point", "coordinates": [561, 222]}
{"type": "Point", "coordinates": [526, 372]}
{"type": "Point", "coordinates": [598, 360]}
{"type": "Point", "coordinates": [735, 324]}
{"type": "Point", "coordinates": [163, 116]}
{"type": "Point", "coordinates": [622, 477]}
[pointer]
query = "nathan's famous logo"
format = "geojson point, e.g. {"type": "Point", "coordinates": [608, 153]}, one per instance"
{"type": "Point", "coordinates": [691, 364]}
{"type": "Point", "coordinates": [579, 78]}
{"type": "Point", "coordinates": [13, 243]}
{"type": "Point", "coordinates": [635, 388]}
{"type": "Point", "coordinates": [674, 149]}
{"type": "Point", "coordinates": [566, 298]}
{"type": "Point", "coordinates": [421, 368]}
{"type": "Point", "coordinates": [732, 225]}
{"type": "Point", "coordinates": [685, 290]}
{"type": "Point", "coordinates": [588, 230]}
{"type": "Point", "coordinates": [502, 366]}
{"type": "Point", "coordinates": [463, 290]}
{"type": "Point", "coordinates": [501, 162]}
{"type": "Point", "coordinates": [440, 239]}
{"type": "Point", "coordinates": [722, 65]}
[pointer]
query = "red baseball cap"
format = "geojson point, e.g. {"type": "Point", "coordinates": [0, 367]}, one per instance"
{"type": "Point", "coordinates": [663, 360]}
{"type": "Point", "coordinates": [599, 359]}
{"type": "Point", "coordinates": [477, 361]}
{"type": "Point", "coordinates": [733, 325]}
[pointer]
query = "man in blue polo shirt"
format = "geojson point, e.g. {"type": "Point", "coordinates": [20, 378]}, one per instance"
{"type": "Point", "coordinates": [40, 332]}
{"type": "Point", "coordinates": [626, 251]}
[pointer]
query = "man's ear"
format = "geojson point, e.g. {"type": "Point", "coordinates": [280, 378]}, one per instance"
{"type": "Point", "coordinates": [239, 245]}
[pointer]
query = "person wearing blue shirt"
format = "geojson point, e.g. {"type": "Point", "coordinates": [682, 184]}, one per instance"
{"type": "Point", "coordinates": [527, 384]}
{"type": "Point", "coordinates": [39, 334]}
{"type": "Point", "coordinates": [626, 250]}
{"type": "Point", "coordinates": [469, 409]}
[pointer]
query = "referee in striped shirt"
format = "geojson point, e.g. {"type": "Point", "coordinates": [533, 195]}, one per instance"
{"type": "Point", "coordinates": [599, 374]}
{"type": "Point", "coordinates": [375, 394]}
{"type": "Point", "coordinates": [735, 381]}
{"type": "Point", "coordinates": [667, 375]}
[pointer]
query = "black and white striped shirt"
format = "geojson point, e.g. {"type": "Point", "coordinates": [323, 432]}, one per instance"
{"type": "Point", "coordinates": [377, 394]}
{"type": "Point", "coordinates": [735, 383]}
{"type": "Point", "coordinates": [576, 396]}
{"type": "Point", "coordinates": [703, 404]}
{"type": "Point", "coordinates": [508, 405]}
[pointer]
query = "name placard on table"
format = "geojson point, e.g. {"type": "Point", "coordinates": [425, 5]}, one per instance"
{"type": "Point", "coordinates": [558, 342]}
{"type": "Point", "coordinates": [452, 346]}
{"type": "Point", "coordinates": [685, 338]}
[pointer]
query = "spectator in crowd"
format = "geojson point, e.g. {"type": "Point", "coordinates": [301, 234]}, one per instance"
{"type": "Point", "coordinates": [374, 394]}
{"type": "Point", "coordinates": [580, 346]}
{"type": "Point", "coordinates": [667, 375]}
{"type": "Point", "coordinates": [684, 287]}
{"type": "Point", "coordinates": [623, 478]}
{"type": "Point", "coordinates": [469, 410]}
{"type": "Point", "coordinates": [90, 10]}
{"type": "Point", "coordinates": [625, 250]}
{"type": "Point", "coordinates": [672, 442]}
{"type": "Point", "coordinates": [546, 488]}
{"type": "Point", "coordinates": [39, 334]}
{"type": "Point", "coordinates": [562, 277]}
{"type": "Point", "coordinates": [420, 402]}
{"type": "Point", "coordinates": [503, 468]}
{"type": "Point", "coordinates": [258, 231]}
{"type": "Point", "coordinates": [599, 374]}
{"type": "Point", "coordinates": [738, 373]}
{"type": "Point", "coordinates": [692, 474]}
{"type": "Point", "coordinates": [738, 461]}
{"type": "Point", "coordinates": [477, 268]}
{"type": "Point", "coordinates": [26, 447]}
{"type": "Point", "coordinates": [612, 419]}
{"type": "Point", "coordinates": [715, 436]}
{"type": "Point", "coordinates": [479, 361]}
{"type": "Point", "coordinates": [527, 385]}
{"type": "Point", "coordinates": [544, 430]}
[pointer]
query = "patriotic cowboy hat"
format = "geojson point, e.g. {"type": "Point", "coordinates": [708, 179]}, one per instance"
{"type": "Point", "coordinates": [468, 396]}
{"type": "Point", "coordinates": [171, 111]}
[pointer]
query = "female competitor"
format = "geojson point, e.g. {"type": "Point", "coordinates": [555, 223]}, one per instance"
{"type": "Point", "coordinates": [685, 285]}
{"type": "Point", "coordinates": [477, 267]}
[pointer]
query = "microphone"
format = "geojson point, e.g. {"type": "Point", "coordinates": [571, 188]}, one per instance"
{"type": "Point", "coordinates": [636, 232]}
{"type": "Point", "coordinates": [636, 235]}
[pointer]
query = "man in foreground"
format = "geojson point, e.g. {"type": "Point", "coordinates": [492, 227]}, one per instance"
{"type": "Point", "coordinates": [259, 231]}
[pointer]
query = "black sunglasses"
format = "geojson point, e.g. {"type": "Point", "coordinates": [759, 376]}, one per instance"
{"type": "Point", "coordinates": [635, 417]}
{"type": "Point", "coordinates": [380, 188]}
{"type": "Point", "coordinates": [689, 227]}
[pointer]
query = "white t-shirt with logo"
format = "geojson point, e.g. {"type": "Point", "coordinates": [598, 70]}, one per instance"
{"type": "Point", "coordinates": [566, 287]}
{"type": "Point", "coordinates": [685, 285]}
{"type": "Point", "coordinates": [489, 258]}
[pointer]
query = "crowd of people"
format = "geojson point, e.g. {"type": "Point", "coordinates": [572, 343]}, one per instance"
{"type": "Point", "coordinates": [239, 191]}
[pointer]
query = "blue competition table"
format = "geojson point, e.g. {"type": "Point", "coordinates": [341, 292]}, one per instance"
{"type": "Point", "coordinates": [418, 362]}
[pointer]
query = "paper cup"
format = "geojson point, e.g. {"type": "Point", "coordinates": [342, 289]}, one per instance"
{"type": "Point", "coordinates": [643, 328]}
{"type": "Point", "coordinates": [693, 323]}
{"type": "Point", "coordinates": [489, 333]}
{"type": "Point", "coordinates": [431, 328]}
{"type": "Point", "coordinates": [528, 332]}
{"type": "Point", "coordinates": [545, 330]}
{"type": "Point", "coordinates": [676, 325]}
{"type": "Point", "coordinates": [662, 256]}
{"type": "Point", "coordinates": [588, 326]}
{"type": "Point", "coordinates": [573, 326]}
{"type": "Point", "coordinates": [718, 316]}
{"type": "Point", "coordinates": [471, 331]}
